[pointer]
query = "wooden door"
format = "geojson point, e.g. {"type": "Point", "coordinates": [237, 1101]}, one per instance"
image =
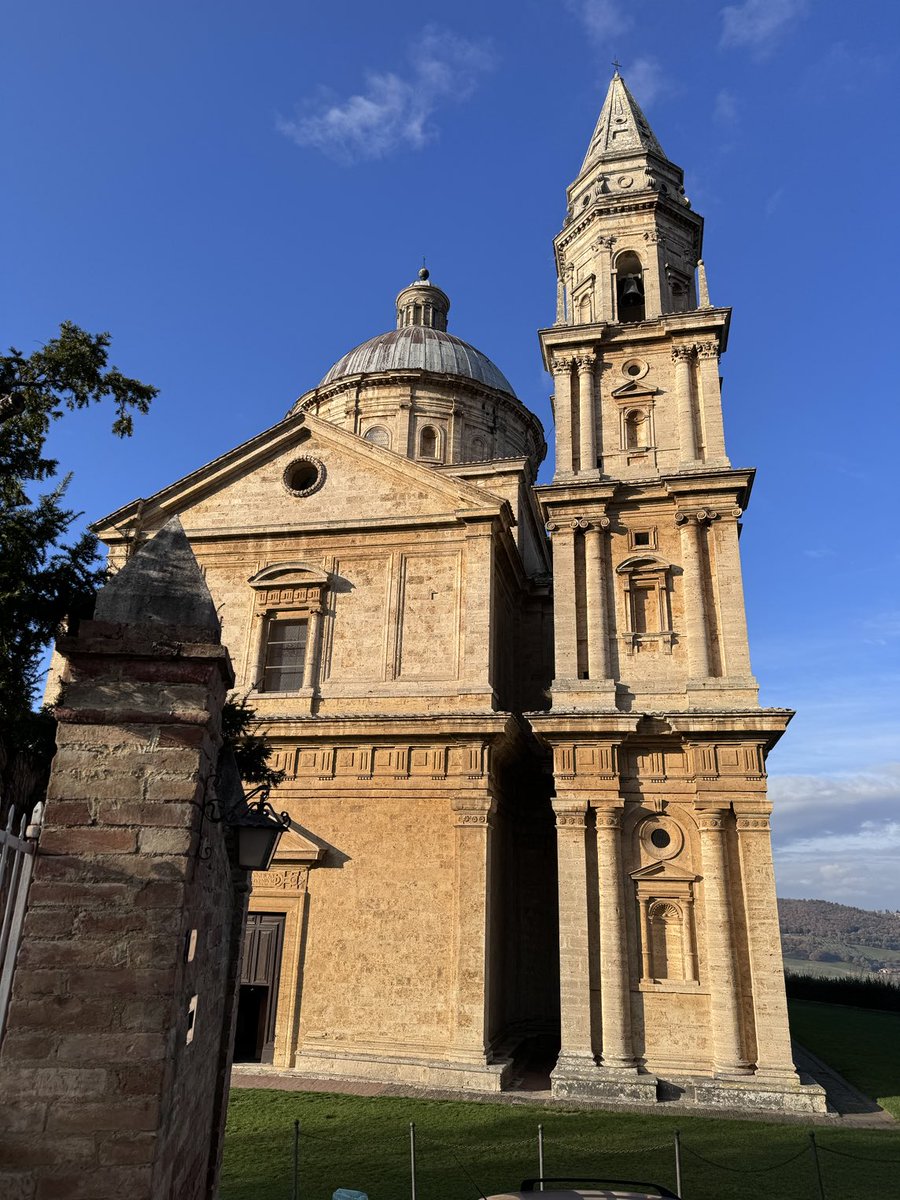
{"type": "Point", "coordinates": [260, 978]}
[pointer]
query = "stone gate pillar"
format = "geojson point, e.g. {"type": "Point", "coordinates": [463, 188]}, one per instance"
{"type": "Point", "coordinates": [114, 1069]}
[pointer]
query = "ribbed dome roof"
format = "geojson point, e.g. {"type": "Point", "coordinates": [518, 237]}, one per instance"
{"type": "Point", "coordinates": [418, 347]}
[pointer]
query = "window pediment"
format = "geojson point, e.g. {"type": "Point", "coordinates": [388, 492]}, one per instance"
{"type": "Point", "coordinates": [644, 564]}
{"type": "Point", "coordinates": [289, 574]}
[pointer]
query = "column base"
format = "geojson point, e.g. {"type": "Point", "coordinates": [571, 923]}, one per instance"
{"type": "Point", "coordinates": [763, 1093]}
{"type": "Point", "coordinates": [579, 1077]}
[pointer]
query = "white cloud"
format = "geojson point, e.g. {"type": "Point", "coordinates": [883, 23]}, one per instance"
{"type": "Point", "coordinates": [393, 112]}
{"type": "Point", "coordinates": [758, 24]}
{"type": "Point", "coordinates": [602, 19]}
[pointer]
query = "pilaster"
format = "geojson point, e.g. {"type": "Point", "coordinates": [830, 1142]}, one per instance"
{"type": "Point", "coordinates": [472, 819]}
{"type": "Point", "coordinates": [587, 445]}
{"type": "Point", "coordinates": [721, 960]}
{"type": "Point", "coordinates": [562, 413]}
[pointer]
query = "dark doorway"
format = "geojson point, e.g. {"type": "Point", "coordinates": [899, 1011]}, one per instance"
{"type": "Point", "coordinates": [254, 1039]}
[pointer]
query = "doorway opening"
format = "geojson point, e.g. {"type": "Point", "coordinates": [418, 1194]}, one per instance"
{"type": "Point", "coordinates": [258, 997]}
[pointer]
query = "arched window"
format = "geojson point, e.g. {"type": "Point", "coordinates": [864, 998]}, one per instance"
{"type": "Point", "coordinates": [629, 287]}
{"type": "Point", "coordinates": [428, 443]}
{"type": "Point", "coordinates": [379, 435]}
{"type": "Point", "coordinates": [637, 430]}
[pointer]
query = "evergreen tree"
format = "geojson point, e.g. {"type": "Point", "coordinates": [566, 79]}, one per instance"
{"type": "Point", "coordinates": [44, 579]}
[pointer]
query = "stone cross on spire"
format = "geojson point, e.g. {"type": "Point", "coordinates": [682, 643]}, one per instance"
{"type": "Point", "coordinates": [621, 127]}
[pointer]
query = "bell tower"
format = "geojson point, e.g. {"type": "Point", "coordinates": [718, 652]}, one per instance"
{"type": "Point", "coordinates": [670, 961]}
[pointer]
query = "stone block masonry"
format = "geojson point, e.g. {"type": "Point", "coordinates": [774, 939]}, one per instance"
{"type": "Point", "coordinates": [115, 1063]}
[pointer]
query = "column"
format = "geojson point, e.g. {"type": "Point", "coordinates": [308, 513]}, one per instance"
{"type": "Point", "coordinates": [472, 816]}
{"type": "Point", "coordinates": [615, 990]}
{"type": "Point", "coordinates": [313, 648]}
{"type": "Point", "coordinates": [643, 904]}
{"type": "Point", "coordinates": [576, 1052]}
{"type": "Point", "coordinates": [560, 300]}
{"type": "Point", "coordinates": [562, 412]}
{"type": "Point", "coordinates": [605, 290]}
{"type": "Point", "coordinates": [733, 633]}
{"type": "Point", "coordinates": [654, 268]}
{"type": "Point", "coordinates": [695, 619]}
{"type": "Point", "coordinates": [587, 439]}
{"type": "Point", "coordinates": [773, 1038]}
{"type": "Point", "coordinates": [711, 399]}
{"type": "Point", "coordinates": [687, 436]}
{"type": "Point", "coordinates": [565, 631]}
{"type": "Point", "coordinates": [721, 962]}
{"type": "Point", "coordinates": [597, 607]}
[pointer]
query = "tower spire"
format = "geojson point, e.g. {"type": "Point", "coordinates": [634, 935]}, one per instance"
{"type": "Point", "coordinates": [621, 127]}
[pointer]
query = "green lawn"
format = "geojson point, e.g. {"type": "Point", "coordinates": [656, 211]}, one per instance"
{"type": "Point", "coordinates": [349, 1141]}
{"type": "Point", "coordinates": [861, 1043]}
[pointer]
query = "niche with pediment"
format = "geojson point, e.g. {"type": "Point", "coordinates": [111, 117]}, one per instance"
{"type": "Point", "coordinates": [665, 893]}
{"type": "Point", "coordinates": [646, 583]}
{"type": "Point", "coordinates": [636, 400]}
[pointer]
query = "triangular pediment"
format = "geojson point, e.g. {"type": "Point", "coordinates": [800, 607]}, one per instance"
{"type": "Point", "coordinates": [345, 479]}
{"type": "Point", "coordinates": [664, 870]}
{"type": "Point", "coordinates": [633, 390]}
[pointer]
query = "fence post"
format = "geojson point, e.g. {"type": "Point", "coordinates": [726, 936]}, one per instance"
{"type": "Point", "coordinates": [412, 1160]}
{"type": "Point", "coordinates": [678, 1163]}
{"type": "Point", "coordinates": [815, 1153]}
{"type": "Point", "coordinates": [541, 1156]}
{"type": "Point", "coordinates": [295, 1189]}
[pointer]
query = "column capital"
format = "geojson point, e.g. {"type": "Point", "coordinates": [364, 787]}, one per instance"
{"type": "Point", "coordinates": [561, 364]}
{"type": "Point", "coordinates": [711, 822]}
{"type": "Point", "coordinates": [473, 810]}
{"type": "Point", "coordinates": [609, 818]}
{"type": "Point", "coordinates": [682, 353]}
{"type": "Point", "coordinates": [585, 360]}
{"type": "Point", "coordinates": [759, 823]}
{"type": "Point", "coordinates": [698, 516]}
{"type": "Point", "coordinates": [707, 349]}
{"type": "Point", "coordinates": [604, 242]}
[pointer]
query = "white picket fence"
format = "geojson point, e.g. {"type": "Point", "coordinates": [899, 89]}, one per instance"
{"type": "Point", "coordinates": [17, 854]}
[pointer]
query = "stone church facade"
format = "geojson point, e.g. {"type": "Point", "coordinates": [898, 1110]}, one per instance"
{"type": "Point", "coordinates": [524, 755]}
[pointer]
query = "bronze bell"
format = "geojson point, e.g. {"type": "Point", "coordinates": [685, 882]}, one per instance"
{"type": "Point", "coordinates": [632, 291]}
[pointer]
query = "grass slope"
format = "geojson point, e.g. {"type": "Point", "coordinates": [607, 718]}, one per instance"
{"type": "Point", "coordinates": [864, 1045]}
{"type": "Point", "coordinates": [351, 1141]}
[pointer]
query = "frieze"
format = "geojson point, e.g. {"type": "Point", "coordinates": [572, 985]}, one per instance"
{"type": "Point", "coordinates": [711, 822]}
{"type": "Point", "coordinates": [760, 823]}
{"type": "Point", "coordinates": [571, 820]}
{"type": "Point", "coordinates": [293, 880]}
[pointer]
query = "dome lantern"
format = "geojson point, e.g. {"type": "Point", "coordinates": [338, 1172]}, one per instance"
{"type": "Point", "coordinates": [421, 303]}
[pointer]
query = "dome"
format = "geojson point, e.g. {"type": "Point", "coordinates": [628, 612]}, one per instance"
{"type": "Point", "coordinates": [420, 348]}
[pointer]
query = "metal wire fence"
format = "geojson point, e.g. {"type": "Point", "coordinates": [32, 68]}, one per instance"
{"type": "Point", "coordinates": [455, 1161]}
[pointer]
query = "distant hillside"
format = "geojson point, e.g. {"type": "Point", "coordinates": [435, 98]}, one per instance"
{"type": "Point", "coordinates": [827, 938]}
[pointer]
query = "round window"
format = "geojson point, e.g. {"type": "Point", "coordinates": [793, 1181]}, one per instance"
{"type": "Point", "coordinates": [303, 476]}
{"type": "Point", "coordinates": [660, 839]}
{"type": "Point", "coordinates": [634, 368]}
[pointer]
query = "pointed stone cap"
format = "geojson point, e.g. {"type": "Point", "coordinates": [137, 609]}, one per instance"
{"type": "Point", "coordinates": [161, 585]}
{"type": "Point", "coordinates": [621, 127]}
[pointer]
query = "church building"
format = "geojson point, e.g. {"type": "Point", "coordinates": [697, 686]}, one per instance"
{"type": "Point", "coordinates": [523, 748]}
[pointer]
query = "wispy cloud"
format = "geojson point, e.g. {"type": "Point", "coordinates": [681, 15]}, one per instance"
{"type": "Point", "coordinates": [757, 25]}
{"type": "Point", "coordinates": [393, 111]}
{"type": "Point", "coordinates": [725, 108]}
{"type": "Point", "coordinates": [602, 19]}
{"type": "Point", "coordinates": [647, 80]}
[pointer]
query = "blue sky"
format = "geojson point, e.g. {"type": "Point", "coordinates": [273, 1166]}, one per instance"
{"type": "Point", "coordinates": [237, 191]}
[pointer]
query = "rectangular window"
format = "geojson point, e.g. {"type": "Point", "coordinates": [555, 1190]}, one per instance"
{"type": "Point", "coordinates": [285, 655]}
